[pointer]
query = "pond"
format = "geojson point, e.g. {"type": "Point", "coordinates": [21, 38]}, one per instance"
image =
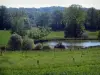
{"type": "Point", "coordinates": [83, 44]}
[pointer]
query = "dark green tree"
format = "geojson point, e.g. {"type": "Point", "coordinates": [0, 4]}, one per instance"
{"type": "Point", "coordinates": [57, 20]}
{"type": "Point", "coordinates": [98, 19]}
{"type": "Point", "coordinates": [91, 19]}
{"type": "Point", "coordinates": [74, 17]}
{"type": "Point", "coordinates": [5, 20]}
{"type": "Point", "coordinates": [43, 20]}
{"type": "Point", "coordinates": [99, 35]}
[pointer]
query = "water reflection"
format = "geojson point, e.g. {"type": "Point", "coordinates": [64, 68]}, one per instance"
{"type": "Point", "coordinates": [81, 44]}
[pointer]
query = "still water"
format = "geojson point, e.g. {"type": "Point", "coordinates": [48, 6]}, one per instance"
{"type": "Point", "coordinates": [75, 43]}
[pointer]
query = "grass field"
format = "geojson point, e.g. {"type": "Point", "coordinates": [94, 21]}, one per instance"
{"type": "Point", "coordinates": [75, 62]}
{"type": "Point", "coordinates": [56, 34]}
{"type": "Point", "coordinates": [4, 37]}
{"type": "Point", "coordinates": [93, 34]}
{"type": "Point", "coordinates": [60, 34]}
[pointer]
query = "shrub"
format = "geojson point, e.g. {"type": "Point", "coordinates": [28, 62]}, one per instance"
{"type": "Point", "coordinates": [27, 44]}
{"type": "Point", "coordinates": [15, 42]}
{"type": "Point", "coordinates": [85, 35]}
{"type": "Point", "coordinates": [38, 33]}
{"type": "Point", "coordinates": [38, 46]}
{"type": "Point", "coordinates": [60, 45]}
{"type": "Point", "coordinates": [22, 32]}
{"type": "Point", "coordinates": [3, 47]}
{"type": "Point", "coordinates": [46, 47]}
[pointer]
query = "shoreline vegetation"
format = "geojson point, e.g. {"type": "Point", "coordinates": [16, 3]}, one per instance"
{"type": "Point", "coordinates": [5, 36]}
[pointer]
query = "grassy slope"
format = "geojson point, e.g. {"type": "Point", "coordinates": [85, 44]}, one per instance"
{"type": "Point", "coordinates": [76, 62]}
{"type": "Point", "coordinates": [4, 37]}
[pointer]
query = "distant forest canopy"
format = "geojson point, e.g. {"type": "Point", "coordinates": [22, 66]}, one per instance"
{"type": "Point", "coordinates": [46, 16]}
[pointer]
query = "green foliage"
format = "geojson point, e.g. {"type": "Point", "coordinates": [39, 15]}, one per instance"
{"type": "Point", "coordinates": [19, 22]}
{"type": "Point", "coordinates": [59, 45]}
{"type": "Point", "coordinates": [46, 47]}
{"type": "Point", "coordinates": [22, 33]}
{"type": "Point", "coordinates": [57, 20]}
{"type": "Point", "coordinates": [74, 18]}
{"type": "Point", "coordinates": [98, 19]}
{"type": "Point", "coordinates": [39, 33]}
{"type": "Point", "coordinates": [5, 18]}
{"type": "Point", "coordinates": [39, 46]}
{"type": "Point", "coordinates": [91, 19]}
{"type": "Point", "coordinates": [27, 44]}
{"type": "Point", "coordinates": [42, 20]}
{"type": "Point", "coordinates": [85, 35]}
{"type": "Point", "coordinates": [99, 35]}
{"type": "Point", "coordinates": [15, 42]}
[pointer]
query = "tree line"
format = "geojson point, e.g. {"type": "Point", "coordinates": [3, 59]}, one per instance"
{"type": "Point", "coordinates": [73, 20]}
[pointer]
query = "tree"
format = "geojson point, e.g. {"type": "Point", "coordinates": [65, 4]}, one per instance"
{"type": "Point", "coordinates": [5, 22]}
{"type": "Point", "coordinates": [27, 44]}
{"type": "Point", "coordinates": [38, 33]}
{"type": "Point", "coordinates": [15, 42]}
{"type": "Point", "coordinates": [91, 20]}
{"type": "Point", "coordinates": [57, 20]}
{"type": "Point", "coordinates": [19, 22]}
{"type": "Point", "coordinates": [42, 20]}
{"type": "Point", "coordinates": [99, 35]}
{"type": "Point", "coordinates": [98, 19]}
{"type": "Point", "coordinates": [74, 17]}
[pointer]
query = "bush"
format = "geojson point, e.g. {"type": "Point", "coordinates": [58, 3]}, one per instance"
{"type": "Point", "coordinates": [15, 42]}
{"type": "Point", "coordinates": [60, 45]}
{"type": "Point", "coordinates": [38, 46]}
{"type": "Point", "coordinates": [85, 35]}
{"type": "Point", "coordinates": [22, 32]}
{"type": "Point", "coordinates": [46, 47]}
{"type": "Point", "coordinates": [28, 44]}
{"type": "Point", "coordinates": [3, 47]}
{"type": "Point", "coordinates": [38, 33]}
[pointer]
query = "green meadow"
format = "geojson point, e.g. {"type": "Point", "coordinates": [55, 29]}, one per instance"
{"type": "Point", "coordinates": [66, 62]}
{"type": "Point", "coordinates": [4, 37]}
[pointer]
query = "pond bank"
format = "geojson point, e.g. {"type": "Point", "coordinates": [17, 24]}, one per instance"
{"type": "Point", "coordinates": [60, 39]}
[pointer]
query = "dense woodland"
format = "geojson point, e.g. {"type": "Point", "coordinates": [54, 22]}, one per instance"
{"type": "Point", "coordinates": [73, 20]}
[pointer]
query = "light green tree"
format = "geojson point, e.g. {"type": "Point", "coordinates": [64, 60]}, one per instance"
{"type": "Point", "coordinates": [19, 23]}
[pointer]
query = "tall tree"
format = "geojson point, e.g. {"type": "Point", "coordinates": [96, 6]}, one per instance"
{"type": "Point", "coordinates": [43, 20]}
{"type": "Point", "coordinates": [91, 20]}
{"type": "Point", "coordinates": [74, 17]}
{"type": "Point", "coordinates": [5, 22]}
{"type": "Point", "coordinates": [98, 19]}
{"type": "Point", "coordinates": [19, 21]}
{"type": "Point", "coordinates": [57, 20]}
